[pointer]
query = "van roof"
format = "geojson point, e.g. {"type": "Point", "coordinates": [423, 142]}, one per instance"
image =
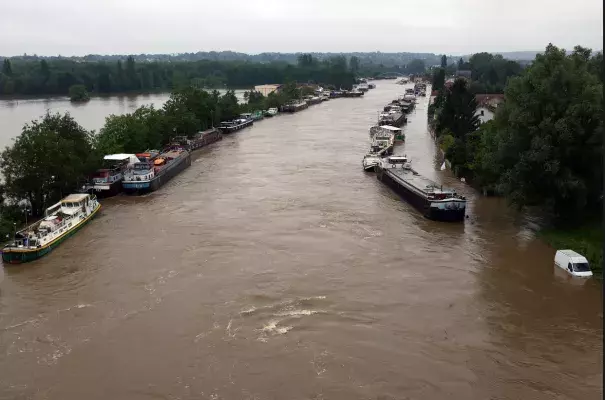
{"type": "Point", "coordinates": [570, 253]}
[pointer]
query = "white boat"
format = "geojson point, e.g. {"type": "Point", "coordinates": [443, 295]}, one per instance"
{"type": "Point", "coordinates": [60, 221]}
{"type": "Point", "coordinates": [382, 139]}
{"type": "Point", "coordinates": [370, 160]}
{"type": "Point", "coordinates": [387, 130]}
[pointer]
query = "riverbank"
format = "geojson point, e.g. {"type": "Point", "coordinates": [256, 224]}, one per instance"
{"type": "Point", "coordinates": [586, 240]}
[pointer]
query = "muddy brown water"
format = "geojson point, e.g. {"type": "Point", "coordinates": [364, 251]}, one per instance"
{"type": "Point", "coordinates": [275, 268]}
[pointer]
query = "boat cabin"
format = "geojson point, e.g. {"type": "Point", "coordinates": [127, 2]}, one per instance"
{"type": "Point", "coordinates": [438, 192]}
{"type": "Point", "coordinates": [114, 166]}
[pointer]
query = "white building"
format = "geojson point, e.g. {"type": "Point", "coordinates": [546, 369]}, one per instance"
{"type": "Point", "coordinates": [266, 89]}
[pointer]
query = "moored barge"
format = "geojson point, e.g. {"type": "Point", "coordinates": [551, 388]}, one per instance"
{"type": "Point", "coordinates": [155, 169]}
{"type": "Point", "coordinates": [198, 140]}
{"type": "Point", "coordinates": [107, 181]}
{"type": "Point", "coordinates": [235, 125]}
{"type": "Point", "coordinates": [294, 106]}
{"type": "Point", "coordinates": [60, 221]}
{"type": "Point", "coordinates": [434, 201]}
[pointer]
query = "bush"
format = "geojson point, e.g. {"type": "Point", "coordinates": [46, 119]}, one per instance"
{"type": "Point", "coordinates": [78, 93]}
{"type": "Point", "coordinates": [446, 141]}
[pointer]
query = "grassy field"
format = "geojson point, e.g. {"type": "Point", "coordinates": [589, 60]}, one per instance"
{"type": "Point", "coordinates": [586, 240]}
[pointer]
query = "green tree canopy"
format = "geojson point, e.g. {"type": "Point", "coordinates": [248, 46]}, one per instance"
{"type": "Point", "coordinates": [548, 147]}
{"type": "Point", "coordinates": [50, 158]}
{"type": "Point", "coordinates": [78, 93]}
{"type": "Point", "coordinates": [438, 81]}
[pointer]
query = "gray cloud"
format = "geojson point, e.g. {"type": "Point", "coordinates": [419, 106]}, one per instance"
{"type": "Point", "coordinates": [78, 27]}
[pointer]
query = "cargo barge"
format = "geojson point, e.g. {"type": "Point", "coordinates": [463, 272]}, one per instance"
{"type": "Point", "coordinates": [432, 200]}
{"type": "Point", "coordinates": [155, 169]}
{"type": "Point", "coordinates": [107, 181]}
{"type": "Point", "coordinates": [198, 140]}
{"type": "Point", "coordinates": [235, 125]}
{"type": "Point", "coordinates": [294, 106]}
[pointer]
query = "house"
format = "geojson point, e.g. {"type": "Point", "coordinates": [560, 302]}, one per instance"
{"type": "Point", "coordinates": [266, 89]}
{"type": "Point", "coordinates": [464, 73]}
{"type": "Point", "coordinates": [489, 101]}
{"type": "Point", "coordinates": [484, 114]}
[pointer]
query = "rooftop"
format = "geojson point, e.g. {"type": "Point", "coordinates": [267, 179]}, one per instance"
{"type": "Point", "coordinates": [76, 197]}
{"type": "Point", "coordinates": [118, 157]}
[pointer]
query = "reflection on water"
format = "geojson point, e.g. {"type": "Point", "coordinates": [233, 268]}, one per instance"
{"type": "Point", "coordinates": [274, 267]}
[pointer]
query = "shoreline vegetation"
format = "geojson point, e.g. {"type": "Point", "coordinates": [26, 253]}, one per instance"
{"type": "Point", "coordinates": [543, 148]}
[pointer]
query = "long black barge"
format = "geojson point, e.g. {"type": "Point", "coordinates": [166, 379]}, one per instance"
{"type": "Point", "coordinates": [432, 200]}
{"type": "Point", "coordinates": [294, 106]}
{"type": "Point", "coordinates": [198, 140]}
{"type": "Point", "coordinates": [235, 125]}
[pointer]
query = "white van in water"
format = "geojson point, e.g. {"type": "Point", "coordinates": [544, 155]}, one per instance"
{"type": "Point", "coordinates": [572, 262]}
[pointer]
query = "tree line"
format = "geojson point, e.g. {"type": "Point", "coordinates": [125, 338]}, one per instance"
{"type": "Point", "coordinates": [27, 76]}
{"type": "Point", "coordinates": [55, 77]}
{"type": "Point", "coordinates": [488, 73]}
{"type": "Point", "coordinates": [366, 58]}
{"type": "Point", "coordinates": [543, 149]}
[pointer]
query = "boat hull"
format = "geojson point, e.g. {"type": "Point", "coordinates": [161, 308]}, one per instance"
{"type": "Point", "coordinates": [429, 210]}
{"type": "Point", "coordinates": [236, 128]}
{"type": "Point", "coordinates": [16, 256]}
{"type": "Point", "coordinates": [138, 187]}
{"type": "Point", "coordinates": [104, 191]}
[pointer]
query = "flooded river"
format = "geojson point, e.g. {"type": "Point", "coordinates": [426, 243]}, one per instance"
{"type": "Point", "coordinates": [275, 268]}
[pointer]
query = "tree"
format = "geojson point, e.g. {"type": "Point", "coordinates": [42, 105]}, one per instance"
{"type": "Point", "coordinates": [438, 82]}
{"type": "Point", "coordinates": [416, 66]}
{"type": "Point", "coordinates": [7, 69]}
{"type": "Point", "coordinates": [44, 70]}
{"type": "Point", "coordinates": [459, 111]}
{"type": "Point", "coordinates": [354, 64]}
{"type": "Point", "coordinates": [78, 93]}
{"type": "Point", "coordinates": [143, 129]}
{"type": "Point", "coordinates": [460, 64]}
{"type": "Point", "coordinates": [305, 60]}
{"type": "Point", "coordinates": [228, 105]}
{"type": "Point", "coordinates": [490, 73]}
{"type": "Point", "coordinates": [50, 158]}
{"type": "Point", "coordinates": [548, 147]}
{"type": "Point", "coordinates": [131, 75]}
{"type": "Point", "coordinates": [443, 61]}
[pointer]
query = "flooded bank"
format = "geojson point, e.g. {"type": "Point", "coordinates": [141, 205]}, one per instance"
{"type": "Point", "coordinates": [274, 267]}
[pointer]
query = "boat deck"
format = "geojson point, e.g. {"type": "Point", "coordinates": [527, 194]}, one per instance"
{"type": "Point", "coordinates": [418, 181]}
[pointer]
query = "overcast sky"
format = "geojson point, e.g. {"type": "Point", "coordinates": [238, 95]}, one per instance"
{"type": "Point", "coordinates": [78, 27]}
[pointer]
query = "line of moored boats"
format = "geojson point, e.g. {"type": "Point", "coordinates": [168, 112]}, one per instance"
{"type": "Point", "coordinates": [432, 199]}
{"type": "Point", "coordinates": [136, 174]}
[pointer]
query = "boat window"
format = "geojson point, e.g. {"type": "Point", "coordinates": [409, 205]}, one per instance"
{"type": "Point", "coordinates": [581, 267]}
